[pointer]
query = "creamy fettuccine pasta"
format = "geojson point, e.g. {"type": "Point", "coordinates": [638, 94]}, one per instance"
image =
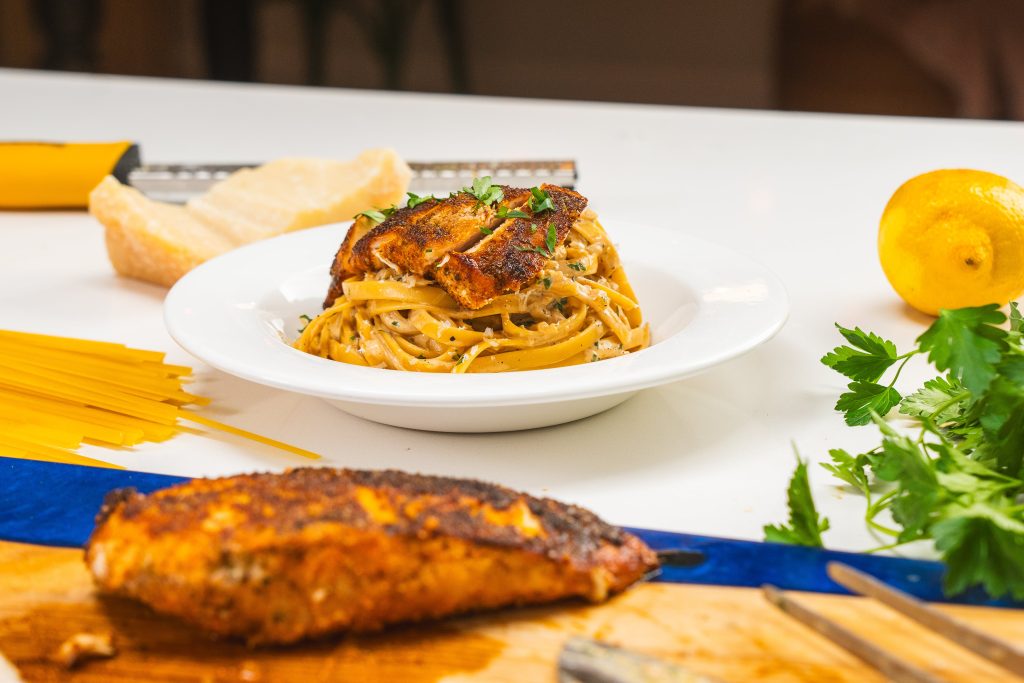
{"type": "Point", "coordinates": [581, 308]}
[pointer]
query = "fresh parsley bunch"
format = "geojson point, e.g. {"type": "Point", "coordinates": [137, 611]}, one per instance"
{"type": "Point", "coordinates": [957, 478]}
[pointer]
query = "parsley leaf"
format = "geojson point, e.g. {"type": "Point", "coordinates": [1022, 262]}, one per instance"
{"type": "Point", "coordinates": [578, 267]}
{"type": "Point", "coordinates": [378, 215]}
{"type": "Point", "coordinates": [1016, 319]}
{"type": "Point", "coordinates": [551, 240]}
{"type": "Point", "coordinates": [982, 543]}
{"type": "Point", "coordinates": [850, 469]}
{"type": "Point", "coordinates": [485, 230]}
{"type": "Point", "coordinates": [864, 398]}
{"type": "Point", "coordinates": [485, 191]}
{"type": "Point", "coordinates": [941, 400]}
{"type": "Point", "coordinates": [967, 343]}
{"type": "Point", "coordinates": [540, 200]}
{"type": "Point", "coordinates": [505, 212]}
{"type": "Point", "coordinates": [805, 526]}
{"type": "Point", "coordinates": [415, 199]}
{"type": "Point", "coordinates": [918, 491]}
{"type": "Point", "coordinates": [866, 360]}
{"type": "Point", "coordinates": [1012, 367]}
{"type": "Point", "coordinates": [1002, 421]}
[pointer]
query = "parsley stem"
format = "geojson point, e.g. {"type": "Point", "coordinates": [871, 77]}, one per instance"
{"type": "Point", "coordinates": [885, 498]}
{"type": "Point", "coordinates": [882, 529]}
{"type": "Point", "coordinates": [874, 508]}
{"type": "Point", "coordinates": [890, 546]}
{"type": "Point", "coordinates": [906, 357]}
{"type": "Point", "coordinates": [948, 402]}
{"type": "Point", "coordinates": [929, 427]}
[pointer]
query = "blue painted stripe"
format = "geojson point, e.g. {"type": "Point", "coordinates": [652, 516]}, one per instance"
{"type": "Point", "coordinates": [54, 504]}
{"type": "Point", "coordinates": [729, 562]}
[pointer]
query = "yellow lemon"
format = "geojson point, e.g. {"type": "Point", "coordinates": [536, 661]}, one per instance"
{"type": "Point", "coordinates": [954, 238]}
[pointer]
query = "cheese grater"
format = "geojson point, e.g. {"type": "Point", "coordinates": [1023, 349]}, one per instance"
{"type": "Point", "coordinates": [177, 183]}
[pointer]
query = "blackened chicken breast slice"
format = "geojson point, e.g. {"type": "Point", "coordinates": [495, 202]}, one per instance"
{"type": "Point", "coordinates": [342, 266]}
{"type": "Point", "coordinates": [411, 240]}
{"type": "Point", "coordinates": [358, 251]}
{"type": "Point", "coordinates": [419, 241]}
{"type": "Point", "coordinates": [511, 257]}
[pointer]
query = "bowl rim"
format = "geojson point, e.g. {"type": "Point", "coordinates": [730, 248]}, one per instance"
{"type": "Point", "coordinates": [739, 305]}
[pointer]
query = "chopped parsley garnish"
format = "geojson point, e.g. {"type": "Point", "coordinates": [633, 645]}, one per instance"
{"type": "Point", "coordinates": [485, 191]}
{"type": "Point", "coordinates": [458, 357]}
{"type": "Point", "coordinates": [579, 267]}
{"type": "Point", "coordinates": [533, 227]}
{"type": "Point", "coordinates": [421, 357]}
{"type": "Point", "coordinates": [505, 212]}
{"type": "Point", "coordinates": [415, 199]}
{"type": "Point", "coordinates": [550, 242]}
{"type": "Point", "coordinates": [378, 215]}
{"type": "Point", "coordinates": [485, 230]}
{"type": "Point", "coordinates": [547, 282]}
{"type": "Point", "coordinates": [308, 321]}
{"type": "Point", "coordinates": [395, 323]}
{"type": "Point", "coordinates": [560, 304]}
{"type": "Point", "coordinates": [540, 200]}
{"type": "Point", "coordinates": [552, 239]}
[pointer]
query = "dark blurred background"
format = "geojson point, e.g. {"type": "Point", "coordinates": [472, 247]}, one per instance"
{"type": "Point", "coordinates": [909, 57]}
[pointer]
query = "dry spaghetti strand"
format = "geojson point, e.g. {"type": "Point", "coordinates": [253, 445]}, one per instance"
{"type": "Point", "coordinates": [58, 393]}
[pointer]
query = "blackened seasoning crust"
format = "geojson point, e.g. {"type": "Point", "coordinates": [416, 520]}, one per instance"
{"type": "Point", "coordinates": [473, 253]}
{"type": "Point", "coordinates": [275, 558]}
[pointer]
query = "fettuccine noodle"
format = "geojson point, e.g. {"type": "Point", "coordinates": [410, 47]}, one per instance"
{"type": "Point", "coordinates": [581, 309]}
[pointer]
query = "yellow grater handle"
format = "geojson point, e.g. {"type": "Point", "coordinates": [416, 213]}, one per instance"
{"type": "Point", "coordinates": [57, 175]}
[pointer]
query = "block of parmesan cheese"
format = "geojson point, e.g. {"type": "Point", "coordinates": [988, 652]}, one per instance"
{"type": "Point", "coordinates": [151, 240]}
{"type": "Point", "coordinates": [160, 242]}
{"type": "Point", "coordinates": [291, 194]}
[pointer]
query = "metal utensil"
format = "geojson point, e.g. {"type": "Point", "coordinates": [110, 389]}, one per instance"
{"type": "Point", "coordinates": [583, 660]}
{"type": "Point", "coordinates": [996, 650]}
{"type": "Point", "coordinates": [177, 183]}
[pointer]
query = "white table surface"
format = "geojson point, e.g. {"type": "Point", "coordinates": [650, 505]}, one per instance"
{"type": "Point", "coordinates": [801, 193]}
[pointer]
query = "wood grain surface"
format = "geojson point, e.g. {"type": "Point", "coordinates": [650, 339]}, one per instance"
{"type": "Point", "coordinates": [46, 596]}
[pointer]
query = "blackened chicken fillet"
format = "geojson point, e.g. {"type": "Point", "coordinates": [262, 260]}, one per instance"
{"type": "Point", "coordinates": [275, 558]}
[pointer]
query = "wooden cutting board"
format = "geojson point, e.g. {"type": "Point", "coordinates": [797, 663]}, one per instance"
{"type": "Point", "coordinates": [731, 633]}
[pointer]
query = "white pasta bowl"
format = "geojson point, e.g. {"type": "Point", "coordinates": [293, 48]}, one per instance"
{"type": "Point", "coordinates": [705, 303]}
